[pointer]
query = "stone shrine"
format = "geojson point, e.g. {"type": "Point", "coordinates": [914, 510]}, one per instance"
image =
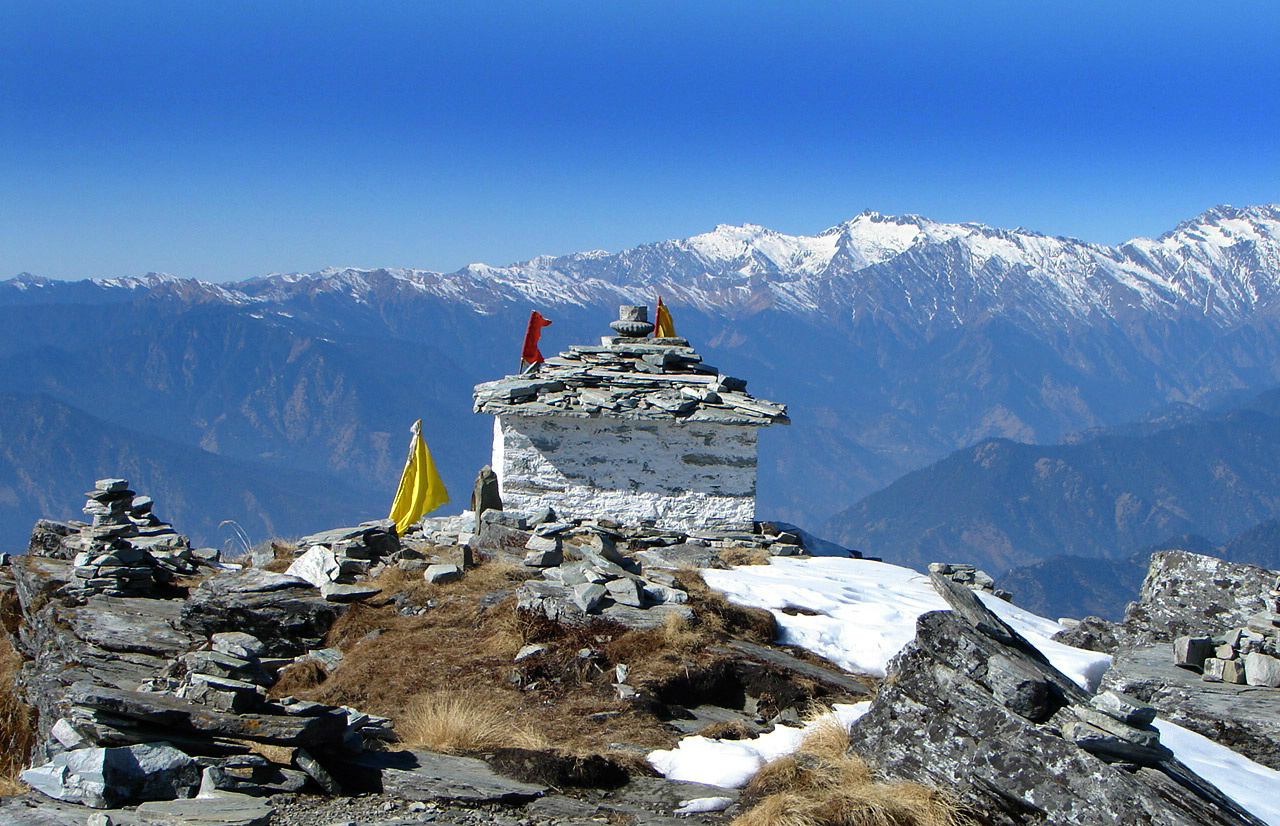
{"type": "Point", "coordinates": [635, 429]}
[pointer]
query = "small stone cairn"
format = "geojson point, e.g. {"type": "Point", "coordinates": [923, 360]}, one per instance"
{"type": "Point", "coordinates": [1248, 655]}
{"type": "Point", "coordinates": [333, 560]}
{"type": "Point", "coordinates": [126, 551]}
{"type": "Point", "coordinates": [969, 576]}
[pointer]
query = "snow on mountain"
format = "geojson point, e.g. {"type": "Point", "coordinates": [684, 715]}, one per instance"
{"type": "Point", "coordinates": [1223, 264]}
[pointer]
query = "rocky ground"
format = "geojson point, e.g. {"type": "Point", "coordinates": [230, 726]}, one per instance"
{"type": "Point", "coordinates": [286, 692]}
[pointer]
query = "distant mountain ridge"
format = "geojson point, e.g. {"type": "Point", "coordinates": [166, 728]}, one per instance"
{"type": "Point", "coordinates": [48, 450]}
{"type": "Point", "coordinates": [895, 340]}
{"type": "Point", "coordinates": [1003, 504]}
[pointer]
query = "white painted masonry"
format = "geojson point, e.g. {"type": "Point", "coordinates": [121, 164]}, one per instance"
{"type": "Point", "coordinates": [675, 474]}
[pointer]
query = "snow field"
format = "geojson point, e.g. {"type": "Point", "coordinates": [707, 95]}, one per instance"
{"type": "Point", "coordinates": [866, 613]}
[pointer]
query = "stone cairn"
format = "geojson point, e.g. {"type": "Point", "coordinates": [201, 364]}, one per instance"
{"type": "Point", "coordinates": [968, 575]}
{"type": "Point", "coordinates": [126, 550]}
{"type": "Point", "coordinates": [1248, 655]}
{"type": "Point", "coordinates": [599, 579]}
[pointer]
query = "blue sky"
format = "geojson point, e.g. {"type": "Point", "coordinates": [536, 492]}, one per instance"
{"type": "Point", "coordinates": [227, 140]}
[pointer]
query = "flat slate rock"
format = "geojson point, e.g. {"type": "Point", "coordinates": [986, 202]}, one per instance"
{"type": "Point", "coordinates": [425, 775]}
{"type": "Point", "coordinates": [682, 555]}
{"type": "Point", "coordinates": [644, 801]}
{"type": "Point", "coordinates": [143, 626]}
{"type": "Point", "coordinates": [222, 809]}
{"type": "Point", "coordinates": [652, 617]}
{"type": "Point", "coordinates": [660, 791]}
{"type": "Point", "coordinates": [185, 718]}
{"type": "Point", "coordinates": [251, 581]}
{"type": "Point", "coordinates": [829, 676]}
{"type": "Point", "coordinates": [38, 810]}
{"type": "Point", "coordinates": [708, 715]}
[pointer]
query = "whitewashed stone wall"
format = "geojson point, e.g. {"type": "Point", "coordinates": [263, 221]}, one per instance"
{"type": "Point", "coordinates": [685, 475]}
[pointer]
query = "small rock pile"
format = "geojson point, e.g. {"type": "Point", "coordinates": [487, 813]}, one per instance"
{"type": "Point", "coordinates": [1248, 655]}
{"type": "Point", "coordinates": [1114, 727]}
{"type": "Point", "coordinates": [126, 551]}
{"type": "Point", "coordinates": [599, 581]}
{"type": "Point", "coordinates": [333, 560]}
{"type": "Point", "coordinates": [968, 575]}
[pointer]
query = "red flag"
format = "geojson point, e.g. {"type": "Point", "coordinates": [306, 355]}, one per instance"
{"type": "Point", "coordinates": [529, 354]}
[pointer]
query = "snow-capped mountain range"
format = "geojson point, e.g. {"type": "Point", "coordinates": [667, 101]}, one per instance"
{"type": "Point", "coordinates": [894, 340]}
{"type": "Point", "coordinates": [1223, 264]}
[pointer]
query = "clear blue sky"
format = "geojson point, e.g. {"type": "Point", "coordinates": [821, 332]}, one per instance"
{"type": "Point", "coordinates": [229, 139]}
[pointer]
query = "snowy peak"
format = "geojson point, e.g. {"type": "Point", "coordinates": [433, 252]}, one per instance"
{"type": "Point", "coordinates": [928, 275]}
{"type": "Point", "coordinates": [750, 249]}
{"type": "Point", "coordinates": [1225, 222]}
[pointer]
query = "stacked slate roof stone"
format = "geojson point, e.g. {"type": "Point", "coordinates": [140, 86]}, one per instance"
{"type": "Point", "coordinates": [126, 550]}
{"type": "Point", "coordinates": [630, 378]}
{"type": "Point", "coordinates": [1247, 655]}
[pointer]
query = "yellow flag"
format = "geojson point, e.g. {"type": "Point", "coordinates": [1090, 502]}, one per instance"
{"type": "Point", "coordinates": [663, 328]}
{"type": "Point", "coordinates": [421, 489]}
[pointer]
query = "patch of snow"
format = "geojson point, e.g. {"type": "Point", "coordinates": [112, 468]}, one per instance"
{"type": "Point", "coordinates": [729, 764]}
{"type": "Point", "coordinates": [1250, 784]}
{"type": "Point", "coordinates": [867, 612]}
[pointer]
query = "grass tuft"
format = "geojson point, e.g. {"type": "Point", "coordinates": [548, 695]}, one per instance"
{"type": "Point", "coordinates": [742, 555]}
{"type": "Point", "coordinates": [452, 722]}
{"type": "Point", "coordinates": [299, 677]}
{"type": "Point", "coordinates": [17, 721]}
{"type": "Point", "coordinates": [825, 784]}
{"type": "Point", "coordinates": [721, 615]}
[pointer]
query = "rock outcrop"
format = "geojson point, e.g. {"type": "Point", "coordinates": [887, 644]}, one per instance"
{"type": "Point", "coordinates": [1186, 593]}
{"type": "Point", "coordinates": [972, 706]}
{"type": "Point", "coordinates": [144, 692]}
{"type": "Point", "coordinates": [286, 612]}
{"type": "Point", "coordinates": [1185, 644]}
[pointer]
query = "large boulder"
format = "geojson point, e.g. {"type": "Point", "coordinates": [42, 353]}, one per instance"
{"type": "Point", "coordinates": [288, 614]}
{"type": "Point", "coordinates": [1186, 593]}
{"type": "Point", "coordinates": [971, 706]}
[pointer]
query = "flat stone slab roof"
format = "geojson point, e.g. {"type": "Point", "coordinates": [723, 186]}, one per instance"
{"type": "Point", "coordinates": [629, 378]}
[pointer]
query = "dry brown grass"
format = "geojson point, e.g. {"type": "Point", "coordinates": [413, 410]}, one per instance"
{"type": "Point", "coordinates": [17, 721]}
{"type": "Point", "coordinates": [824, 784]}
{"type": "Point", "coordinates": [454, 722]}
{"type": "Point", "coordinates": [744, 555]}
{"type": "Point", "coordinates": [357, 623]}
{"type": "Point", "coordinates": [283, 554]}
{"type": "Point", "coordinates": [720, 615]}
{"type": "Point", "coordinates": [678, 634]}
{"type": "Point", "coordinates": [468, 639]}
{"type": "Point", "coordinates": [394, 580]}
{"type": "Point", "coordinates": [298, 678]}
{"type": "Point", "coordinates": [729, 730]}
